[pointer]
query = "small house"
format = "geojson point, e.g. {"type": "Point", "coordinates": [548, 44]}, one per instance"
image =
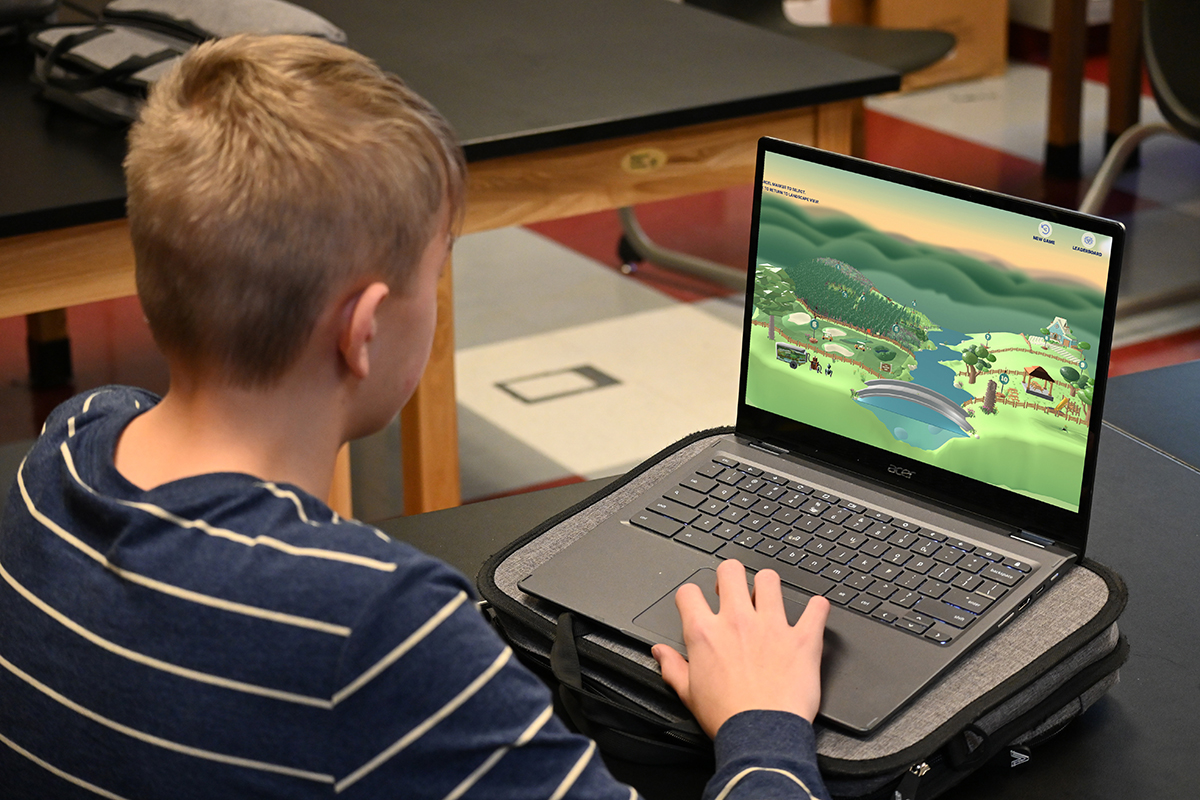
{"type": "Point", "coordinates": [1060, 332]}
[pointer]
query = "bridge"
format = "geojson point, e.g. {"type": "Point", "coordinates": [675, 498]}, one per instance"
{"type": "Point", "coordinates": [905, 390]}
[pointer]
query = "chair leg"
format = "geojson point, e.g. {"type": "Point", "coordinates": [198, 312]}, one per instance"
{"type": "Point", "coordinates": [1114, 162]}
{"type": "Point", "coordinates": [649, 250]}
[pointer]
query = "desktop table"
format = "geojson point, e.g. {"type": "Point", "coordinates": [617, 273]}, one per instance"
{"type": "Point", "coordinates": [563, 108]}
{"type": "Point", "coordinates": [1138, 740]}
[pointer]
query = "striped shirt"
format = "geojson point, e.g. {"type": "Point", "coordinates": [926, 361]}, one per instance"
{"type": "Point", "coordinates": [224, 636]}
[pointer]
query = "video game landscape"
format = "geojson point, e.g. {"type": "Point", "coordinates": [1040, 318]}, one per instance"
{"type": "Point", "coordinates": [950, 356]}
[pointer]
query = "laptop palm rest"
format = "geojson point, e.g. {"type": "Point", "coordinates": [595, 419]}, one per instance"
{"type": "Point", "coordinates": [861, 685]}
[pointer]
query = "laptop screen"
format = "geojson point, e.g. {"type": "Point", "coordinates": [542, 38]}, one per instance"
{"type": "Point", "coordinates": [915, 323]}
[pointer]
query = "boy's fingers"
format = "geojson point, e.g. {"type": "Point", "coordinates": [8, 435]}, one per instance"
{"type": "Point", "coordinates": [674, 668]}
{"type": "Point", "coordinates": [768, 592]}
{"type": "Point", "coordinates": [732, 587]}
{"type": "Point", "coordinates": [816, 612]}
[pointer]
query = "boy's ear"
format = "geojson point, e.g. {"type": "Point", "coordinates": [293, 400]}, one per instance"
{"type": "Point", "coordinates": [358, 328]}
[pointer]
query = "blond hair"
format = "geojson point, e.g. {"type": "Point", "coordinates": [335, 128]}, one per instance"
{"type": "Point", "coordinates": [264, 175]}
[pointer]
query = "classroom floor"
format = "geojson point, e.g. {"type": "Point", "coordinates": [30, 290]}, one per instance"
{"type": "Point", "coordinates": [568, 369]}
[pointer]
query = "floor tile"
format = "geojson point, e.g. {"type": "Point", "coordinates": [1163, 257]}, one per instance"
{"type": "Point", "coordinates": [676, 371]}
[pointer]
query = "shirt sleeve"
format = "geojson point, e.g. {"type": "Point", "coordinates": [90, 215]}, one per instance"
{"type": "Point", "coordinates": [766, 755]}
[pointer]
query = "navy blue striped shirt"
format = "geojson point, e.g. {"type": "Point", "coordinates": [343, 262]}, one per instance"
{"type": "Point", "coordinates": [224, 636]}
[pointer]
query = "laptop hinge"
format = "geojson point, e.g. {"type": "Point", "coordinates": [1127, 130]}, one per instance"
{"type": "Point", "coordinates": [1032, 538]}
{"type": "Point", "coordinates": [769, 448]}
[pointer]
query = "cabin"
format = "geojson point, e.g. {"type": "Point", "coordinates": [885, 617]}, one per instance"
{"type": "Point", "coordinates": [1060, 332]}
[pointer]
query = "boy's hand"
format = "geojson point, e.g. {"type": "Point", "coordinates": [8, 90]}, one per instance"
{"type": "Point", "coordinates": [746, 657]}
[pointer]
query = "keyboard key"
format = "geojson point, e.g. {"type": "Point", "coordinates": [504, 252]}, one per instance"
{"type": "Point", "coordinates": [926, 547]}
{"type": "Point", "coordinates": [712, 507]}
{"type": "Point", "coordinates": [830, 532]}
{"type": "Point", "coordinates": [933, 588]}
{"type": "Point", "coordinates": [863, 563]}
{"type": "Point", "coordinates": [730, 477]}
{"type": "Point", "coordinates": [836, 515]}
{"type": "Point", "coordinates": [765, 507]}
{"type": "Point", "coordinates": [772, 492]}
{"type": "Point", "coordinates": [819, 547]}
{"type": "Point", "coordinates": [656, 523]}
{"type": "Point", "coordinates": [909, 625]}
{"type": "Point", "coordinates": [699, 539]}
{"type": "Point", "coordinates": [813, 584]}
{"type": "Point", "coordinates": [773, 478]}
{"type": "Point", "coordinates": [863, 604]}
{"type": "Point", "coordinates": [792, 499]}
{"type": "Point", "coordinates": [972, 564]}
{"type": "Point", "coordinates": [734, 515]}
{"type": "Point", "coordinates": [723, 493]}
{"type": "Point", "coordinates": [841, 595]}
{"type": "Point", "coordinates": [749, 470]}
{"type": "Point", "coordinates": [905, 525]}
{"type": "Point", "coordinates": [903, 539]}
{"type": "Point", "coordinates": [959, 544]}
{"type": "Point", "coordinates": [711, 470]}
{"type": "Point", "coordinates": [676, 511]}
{"type": "Point", "coordinates": [836, 572]}
{"type": "Point", "coordinates": [875, 549]}
{"type": "Point", "coordinates": [754, 523]}
{"type": "Point", "coordinates": [882, 589]}
{"type": "Point", "coordinates": [812, 564]}
{"type": "Point", "coordinates": [770, 547]}
{"type": "Point", "coordinates": [851, 540]}
{"type": "Point", "coordinates": [975, 603]}
{"type": "Point", "coordinates": [859, 581]}
{"type": "Point", "coordinates": [854, 508]}
{"type": "Point", "coordinates": [879, 515]}
{"type": "Point", "coordinates": [750, 484]}
{"type": "Point", "coordinates": [840, 555]}
{"type": "Point", "coordinates": [775, 530]}
{"type": "Point", "coordinates": [920, 564]}
{"type": "Point", "coordinates": [706, 523]}
{"type": "Point", "coordinates": [747, 539]}
{"type": "Point", "coordinates": [1000, 574]}
{"type": "Point", "coordinates": [919, 618]}
{"type": "Point", "coordinates": [880, 531]}
{"type": "Point", "coordinates": [787, 515]}
{"type": "Point", "coordinates": [939, 635]}
{"type": "Point", "coordinates": [814, 507]}
{"type": "Point", "coordinates": [991, 589]}
{"type": "Point", "coordinates": [796, 486]}
{"type": "Point", "coordinates": [946, 613]}
{"type": "Point", "coordinates": [897, 556]}
{"type": "Point", "coordinates": [790, 555]}
{"type": "Point", "coordinates": [990, 555]}
{"type": "Point", "coordinates": [945, 574]}
{"type": "Point", "coordinates": [883, 615]}
{"type": "Point", "coordinates": [886, 572]}
{"type": "Point", "coordinates": [910, 580]}
{"type": "Point", "coordinates": [726, 460]}
{"type": "Point", "coordinates": [688, 497]}
{"type": "Point", "coordinates": [967, 582]}
{"type": "Point", "coordinates": [1019, 566]}
{"type": "Point", "coordinates": [827, 497]}
{"type": "Point", "coordinates": [949, 555]}
{"type": "Point", "coordinates": [700, 483]}
{"type": "Point", "coordinates": [797, 538]}
{"type": "Point", "coordinates": [859, 523]}
{"type": "Point", "coordinates": [809, 524]}
{"type": "Point", "coordinates": [743, 500]}
{"type": "Point", "coordinates": [726, 530]}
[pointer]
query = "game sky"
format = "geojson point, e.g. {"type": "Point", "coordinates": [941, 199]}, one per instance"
{"type": "Point", "coordinates": [947, 332]}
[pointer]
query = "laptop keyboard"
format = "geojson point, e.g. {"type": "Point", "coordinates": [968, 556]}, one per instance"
{"type": "Point", "coordinates": [866, 560]}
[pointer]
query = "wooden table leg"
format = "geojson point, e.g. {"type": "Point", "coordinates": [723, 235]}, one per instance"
{"type": "Point", "coordinates": [1068, 47]}
{"type": "Point", "coordinates": [49, 349]}
{"type": "Point", "coordinates": [429, 422]}
{"type": "Point", "coordinates": [1124, 70]}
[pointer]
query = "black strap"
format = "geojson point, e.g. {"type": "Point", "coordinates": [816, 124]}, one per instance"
{"type": "Point", "coordinates": [109, 77]}
{"type": "Point", "coordinates": [619, 727]}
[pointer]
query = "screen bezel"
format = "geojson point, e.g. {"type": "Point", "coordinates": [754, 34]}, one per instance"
{"type": "Point", "coordinates": [1020, 512]}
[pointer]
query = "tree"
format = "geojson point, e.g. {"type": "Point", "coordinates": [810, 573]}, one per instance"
{"type": "Point", "coordinates": [1070, 375]}
{"type": "Point", "coordinates": [1045, 336]}
{"type": "Point", "coordinates": [1085, 397]}
{"type": "Point", "coordinates": [774, 295]}
{"type": "Point", "coordinates": [974, 357]}
{"type": "Point", "coordinates": [989, 398]}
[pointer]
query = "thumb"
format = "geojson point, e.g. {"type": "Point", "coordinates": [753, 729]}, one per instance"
{"type": "Point", "coordinates": [674, 669]}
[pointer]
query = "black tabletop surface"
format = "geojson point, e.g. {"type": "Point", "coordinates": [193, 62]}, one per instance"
{"type": "Point", "coordinates": [512, 76]}
{"type": "Point", "coordinates": [1140, 739]}
{"type": "Point", "coordinates": [1159, 407]}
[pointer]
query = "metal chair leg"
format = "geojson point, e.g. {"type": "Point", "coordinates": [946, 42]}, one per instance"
{"type": "Point", "coordinates": [649, 250]}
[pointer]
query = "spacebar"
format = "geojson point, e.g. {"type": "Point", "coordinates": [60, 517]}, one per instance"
{"type": "Point", "coordinates": [813, 584]}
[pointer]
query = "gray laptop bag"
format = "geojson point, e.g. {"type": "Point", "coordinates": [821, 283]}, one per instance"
{"type": "Point", "coordinates": [104, 70]}
{"type": "Point", "coordinates": [1020, 687]}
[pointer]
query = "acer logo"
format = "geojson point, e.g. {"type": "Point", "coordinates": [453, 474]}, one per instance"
{"type": "Point", "coordinates": [901, 471]}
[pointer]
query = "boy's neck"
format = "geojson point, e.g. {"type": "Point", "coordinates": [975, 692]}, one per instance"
{"type": "Point", "coordinates": [278, 434]}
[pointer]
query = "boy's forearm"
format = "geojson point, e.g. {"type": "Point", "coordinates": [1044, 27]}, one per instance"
{"type": "Point", "coordinates": [766, 754]}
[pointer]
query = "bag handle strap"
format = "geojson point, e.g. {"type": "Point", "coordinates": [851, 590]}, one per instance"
{"type": "Point", "coordinates": [108, 77]}
{"type": "Point", "coordinates": [618, 727]}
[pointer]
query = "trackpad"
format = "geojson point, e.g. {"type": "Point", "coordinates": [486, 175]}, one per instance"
{"type": "Point", "coordinates": [662, 618]}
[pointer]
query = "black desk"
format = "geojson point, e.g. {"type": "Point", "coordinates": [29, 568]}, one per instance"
{"type": "Point", "coordinates": [564, 107]}
{"type": "Point", "coordinates": [1140, 740]}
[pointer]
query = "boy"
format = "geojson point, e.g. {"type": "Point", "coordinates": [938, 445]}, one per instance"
{"type": "Point", "coordinates": [182, 617]}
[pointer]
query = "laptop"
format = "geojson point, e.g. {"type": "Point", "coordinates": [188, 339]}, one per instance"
{"type": "Point", "coordinates": [923, 367]}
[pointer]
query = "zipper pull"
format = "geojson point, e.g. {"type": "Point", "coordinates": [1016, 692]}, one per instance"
{"type": "Point", "coordinates": [907, 790]}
